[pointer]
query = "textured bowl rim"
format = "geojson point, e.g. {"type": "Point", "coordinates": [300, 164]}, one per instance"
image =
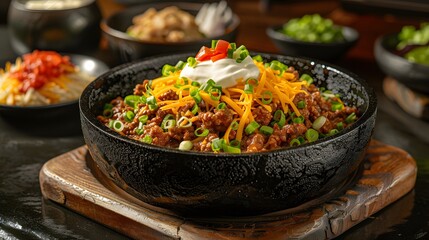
{"type": "Point", "coordinates": [110, 31]}
{"type": "Point", "coordinates": [366, 115]}
{"type": "Point", "coordinates": [353, 37]}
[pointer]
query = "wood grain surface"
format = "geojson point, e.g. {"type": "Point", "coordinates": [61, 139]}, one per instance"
{"type": "Point", "coordinates": [388, 175]}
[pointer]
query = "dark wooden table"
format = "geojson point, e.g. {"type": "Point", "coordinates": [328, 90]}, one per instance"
{"type": "Point", "coordinates": [24, 214]}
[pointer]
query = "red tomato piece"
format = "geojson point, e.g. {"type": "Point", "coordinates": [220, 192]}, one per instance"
{"type": "Point", "coordinates": [204, 54]}
{"type": "Point", "coordinates": [218, 57]}
{"type": "Point", "coordinates": [222, 46]}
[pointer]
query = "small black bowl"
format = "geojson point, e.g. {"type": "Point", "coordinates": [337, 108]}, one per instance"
{"type": "Point", "coordinates": [73, 28]}
{"type": "Point", "coordinates": [232, 184]}
{"type": "Point", "coordinates": [127, 48]}
{"type": "Point", "coordinates": [323, 51]}
{"type": "Point", "coordinates": [54, 112]}
{"type": "Point", "coordinates": [413, 75]}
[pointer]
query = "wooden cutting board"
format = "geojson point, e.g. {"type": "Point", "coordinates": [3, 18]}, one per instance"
{"type": "Point", "coordinates": [389, 174]}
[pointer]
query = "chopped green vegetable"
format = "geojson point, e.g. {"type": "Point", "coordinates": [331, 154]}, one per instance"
{"type": "Point", "coordinates": [313, 28]}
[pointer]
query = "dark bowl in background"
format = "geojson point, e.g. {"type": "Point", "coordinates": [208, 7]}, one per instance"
{"type": "Point", "coordinates": [413, 75]}
{"type": "Point", "coordinates": [232, 184]}
{"type": "Point", "coordinates": [74, 30]}
{"type": "Point", "coordinates": [126, 48]}
{"type": "Point", "coordinates": [316, 50]}
{"type": "Point", "coordinates": [53, 112]}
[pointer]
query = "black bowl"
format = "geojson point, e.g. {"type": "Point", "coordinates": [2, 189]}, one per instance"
{"type": "Point", "coordinates": [74, 29]}
{"type": "Point", "coordinates": [323, 51]}
{"type": "Point", "coordinates": [127, 48]}
{"type": "Point", "coordinates": [413, 75]}
{"type": "Point", "coordinates": [238, 184]}
{"type": "Point", "coordinates": [54, 112]}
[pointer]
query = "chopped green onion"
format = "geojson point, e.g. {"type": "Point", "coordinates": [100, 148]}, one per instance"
{"type": "Point", "coordinates": [306, 78]}
{"type": "Point", "coordinates": [143, 99]}
{"type": "Point", "coordinates": [258, 58]}
{"type": "Point", "coordinates": [266, 130]}
{"type": "Point", "coordinates": [221, 105]}
{"type": "Point", "coordinates": [340, 126]}
{"type": "Point", "coordinates": [332, 132]}
{"type": "Point", "coordinates": [230, 53]}
{"type": "Point", "coordinates": [147, 139]}
{"type": "Point", "coordinates": [143, 118]}
{"type": "Point", "coordinates": [234, 125]}
{"type": "Point", "coordinates": [301, 139]}
{"type": "Point", "coordinates": [186, 145]}
{"type": "Point", "coordinates": [211, 82]}
{"type": "Point", "coordinates": [153, 106]}
{"type": "Point", "coordinates": [278, 66]}
{"type": "Point", "coordinates": [129, 116]}
{"type": "Point", "coordinates": [184, 122]}
{"type": "Point", "coordinates": [108, 113]}
{"type": "Point", "coordinates": [233, 46]}
{"type": "Point", "coordinates": [148, 87]}
{"type": "Point", "coordinates": [139, 131]}
{"type": "Point", "coordinates": [319, 122]}
{"type": "Point", "coordinates": [195, 109]}
{"type": "Point", "coordinates": [235, 143]}
{"type": "Point", "coordinates": [167, 70]}
{"type": "Point", "coordinates": [132, 100]}
{"type": "Point", "coordinates": [251, 127]}
{"type": "Point", "coordinates": [231, 149]}
{"type": "Point", "coordinates": [294, 142]}
{"type": "Point", "coordinates": [214, 43]}
{"type": "Point", "coordinates": [267, 97]}
{"type": "Point", "coordinates": [180, 65]}
{"type": "Point", "coordinates": [195, 84]}
{"type": "Point", "coordinates": [217, 144]}
{"type": "Point", "coordinates": [167, 122]}
{"type": "Point", "coordinates": [301, 104]}
{"type": "Point", "coordinates": [336, 106]}
{"type": "Point", "coordinates": [299, 119]}
{"type": "Point", "coordinates": [195, 94]}
{"type": "Point", "coordinates": [311, 135]}
{"type": "Point", "coordinates": [201, 132]}
{"type": "Point", "coordinates": [351, 118]}
{"type": "Point", "coordinates": [118, 125]}
{"type": "Point", "coordinates": [248, 89]}
{"type": "Point", "coordinates": [111, 123]}
{"type": "Point", "coordinates": [192, 62]}
{"type": "Point", "coordinates": [279, 118]}
{"type": "Point", "coordinates": [252, 81]}
{"type": "Point", "coordinates": [151, 100]}
{"type": "Point", "coordinates": [215, 94]}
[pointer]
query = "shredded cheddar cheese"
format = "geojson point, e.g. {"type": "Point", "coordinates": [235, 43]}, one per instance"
{"type": "Point", "coordinates": [280, 88]}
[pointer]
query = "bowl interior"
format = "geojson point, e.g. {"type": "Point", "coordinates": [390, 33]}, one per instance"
{"type": "Point", "coordinates": [118, 24]}
{"type": "Point", "coordinates": [121, 80]}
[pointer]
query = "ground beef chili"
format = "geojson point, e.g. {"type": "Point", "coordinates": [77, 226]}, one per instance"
{"type": "Point", "coordinates": [195, 117]}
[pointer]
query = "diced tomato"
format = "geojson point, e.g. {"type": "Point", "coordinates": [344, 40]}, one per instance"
{"type": "Point", "coordinates": [222, 46]}
{"type": "Point", "coordinates": [204, 54]}
{"type": "Point", "coordinates": [218, 57]}
{"type": "Point", "coordinates": [39, 67]}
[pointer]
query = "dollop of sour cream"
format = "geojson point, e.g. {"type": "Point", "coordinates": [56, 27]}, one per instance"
{"type": "Point", "coordinates": [225, 72]}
